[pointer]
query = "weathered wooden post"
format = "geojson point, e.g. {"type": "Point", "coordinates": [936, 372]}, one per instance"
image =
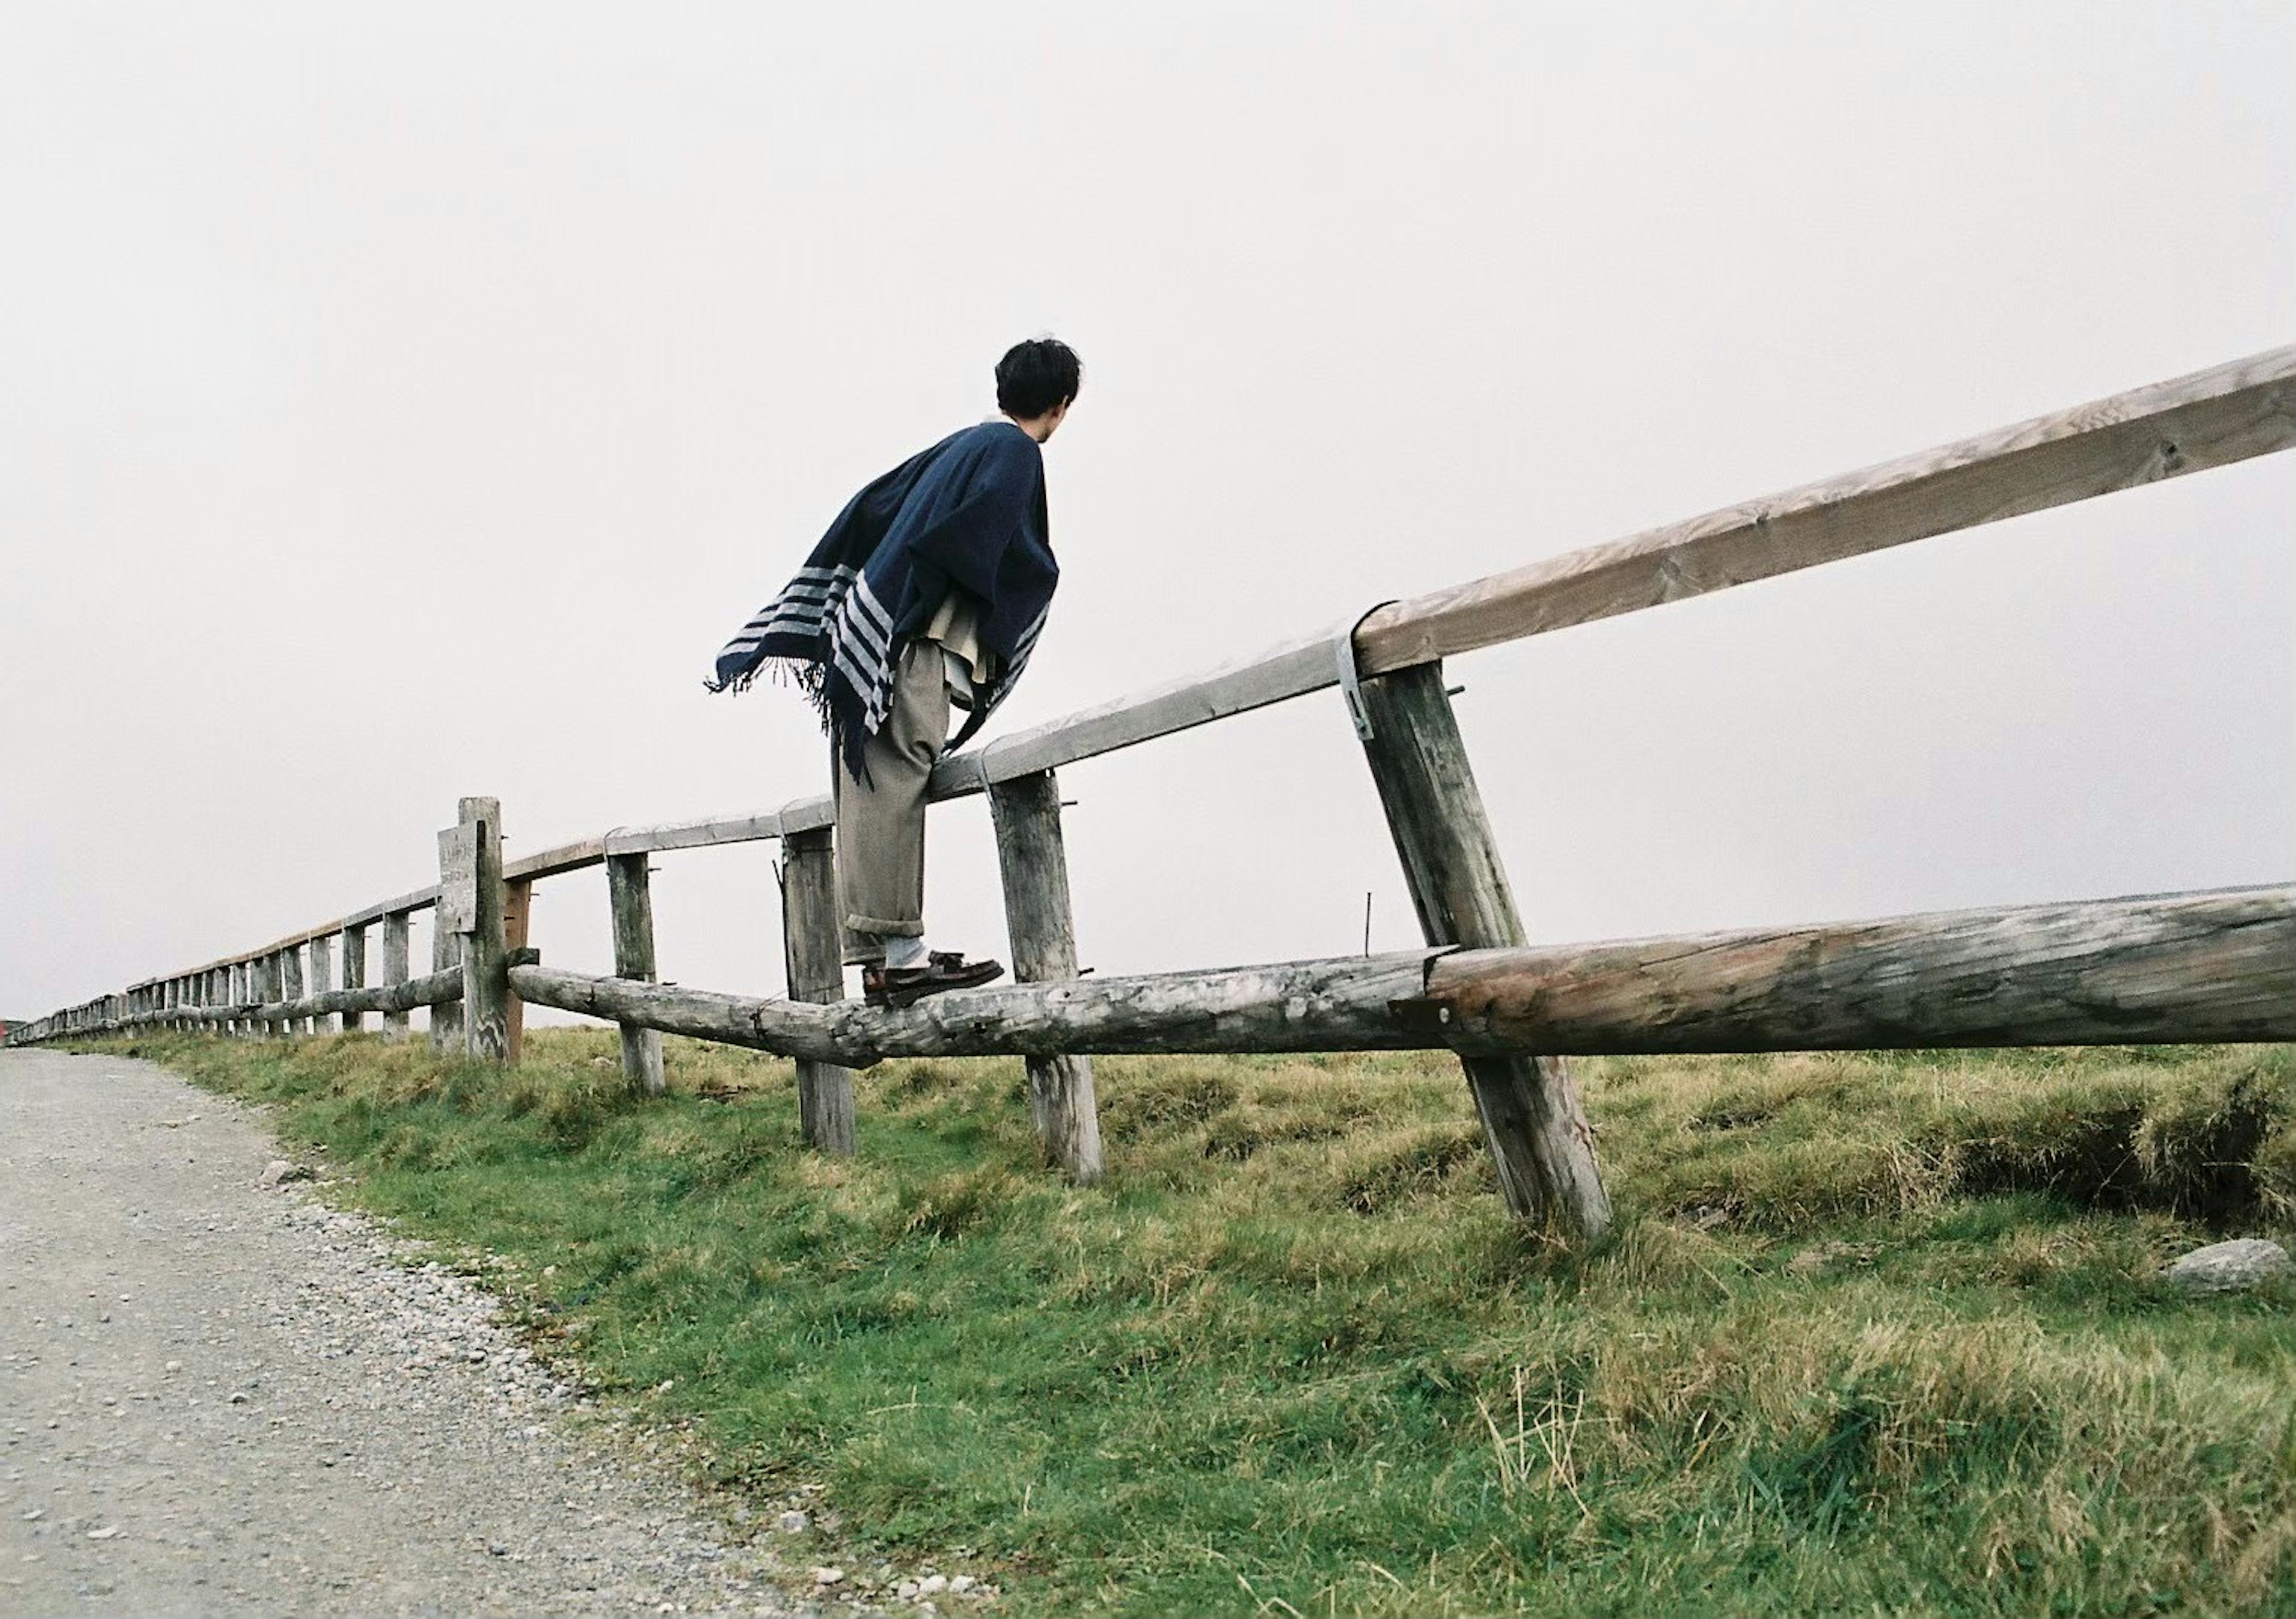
{"type": "Point", "coordinates": [485, 965]}
{"type": "Point", "coordinates": [812, 944]}
{"type": "Point", "coordinates": [445, 951]}
{"type": "Point", "coordinates": [264, 971]}
{"type": "Point", "coordinates": [1530, 1109]}
{"type": "Point", "coordinates": [1033, 858]}
{"type": "Point", "coordinates": [235, 991]}
{"type": "Point", "coordinates": [354, 970]}
{"type": "Point", "coordinates": [323, 975]}
{"type": "Point", "coordinates": [395, 967]}
{"type": "Point", "coordinates": [518, 904]}
{"type": "Point", "coordinates": [471, 912]}
{"type": "Point", "coordinates": [630, 894]}
{"type": "Point", "coordinates": [290, 985]}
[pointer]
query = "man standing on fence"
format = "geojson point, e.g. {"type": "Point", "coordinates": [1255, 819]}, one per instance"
{"type": "Point", "coordinates": [929, 591]}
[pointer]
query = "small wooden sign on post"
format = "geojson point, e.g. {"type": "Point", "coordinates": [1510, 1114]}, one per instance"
{"type": "Point", "coordinates": [459, 879]}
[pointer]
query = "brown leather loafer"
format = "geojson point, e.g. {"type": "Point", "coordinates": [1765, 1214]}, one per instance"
{"type": "Point", "coordinates": [894, 986]}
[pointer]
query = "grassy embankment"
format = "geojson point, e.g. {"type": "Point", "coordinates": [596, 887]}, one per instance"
{"type": "Point", "coordinates": [1879, 1333]}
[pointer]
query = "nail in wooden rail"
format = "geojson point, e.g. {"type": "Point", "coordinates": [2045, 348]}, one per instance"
{"type": "Point", "coordinates": [629, 891]}
{"type": "Point", "coordinates": [813, 942]}
{"type": "Point", "coordinates": [1531, 1114]}
{"type": "Point", "coordinates": [1033, 858]}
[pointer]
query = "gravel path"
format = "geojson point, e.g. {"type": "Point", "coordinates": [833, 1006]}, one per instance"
{"type": "Point", "coordinates": [224, 1399]}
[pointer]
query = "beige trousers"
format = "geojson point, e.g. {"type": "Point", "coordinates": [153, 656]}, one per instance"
{"type": "Point", "coordinates": [880, 823]}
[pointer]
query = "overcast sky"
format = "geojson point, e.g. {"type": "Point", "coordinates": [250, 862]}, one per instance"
{"type": "Point", "coordinates": [399, 402]}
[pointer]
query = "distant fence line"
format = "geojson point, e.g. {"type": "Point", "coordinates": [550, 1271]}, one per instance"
{"type": "Point", "coordinates": [2200, 967]}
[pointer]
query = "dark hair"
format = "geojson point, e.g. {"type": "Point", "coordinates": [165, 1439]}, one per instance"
{"type": "Point", "coordinates": [1035, 376]}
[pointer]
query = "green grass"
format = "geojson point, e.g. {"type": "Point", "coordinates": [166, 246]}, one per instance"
{"type": "Point", "coordinates": [1877, 1335]}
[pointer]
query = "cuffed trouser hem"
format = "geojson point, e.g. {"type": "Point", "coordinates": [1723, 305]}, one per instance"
{"type": "Point", "coordinates": [866, 937]}
{"type": "Point", "coordinates": [880, 927]}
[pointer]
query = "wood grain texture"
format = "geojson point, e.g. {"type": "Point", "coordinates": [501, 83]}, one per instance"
{"type": "Point", "coordinates": [486, 984]}
{"type": "Point", "coordinates": [1288, 670]}
{"type": "Point", "coordinates": [1302, 1006]}
{"type": "Point", "coordinates": [291, 986]}
{"type": "Point", "coordinates": [813, 949]}
{"type": "Point", "coordinates": [2208, 419]}
{"type": "Point", "coordinates": [403, 904]}
{"type": "Point", "coordinates": [394, 968]}
{"type": "Point", "coordinates": [518, 908]}
{"type": "Point", "coordinates": [446, 1017]}
{"type": "Point", "coordinates": [2170, 970]}
{"type": "Point", "coordinates": [266, 992]}
{"type": "Point", "coordinates": [1533, 1120]}
{"type": "Point", "coordinates": [1032, 859]}
{"type": "Point", "coordinates": [353, 971]}
{"type": "Point", "coordinates": [323, 966]}
{"type": "Point", "coordinates": [751, 827]}
{"type": "Point", "coordinates": [576, 856]}
{"type": "Point", "coordinates": [629, 894]}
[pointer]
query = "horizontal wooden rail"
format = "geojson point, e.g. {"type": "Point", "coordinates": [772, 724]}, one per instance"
{"type": "Point", "coordinates": [434, 989]}
{"type": "Point", "coordinates": [2199, 968]}
{"type": "Point", "coordinates": [2167, 969]}
{"type": "Point", "coordinates": [1298, 1006]}
{"type": "Point", "coordinates": [2208, 419]}
{"type": "Point", "coordinates": [552, 863]}
{"type": "Point", "coordinates": [421, 899]}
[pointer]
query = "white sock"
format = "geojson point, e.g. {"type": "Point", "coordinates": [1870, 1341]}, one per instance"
{"type": "Point", "coordinates": [905, 950]}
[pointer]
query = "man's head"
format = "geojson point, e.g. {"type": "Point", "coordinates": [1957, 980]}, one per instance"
{"type": "Point", "coordinates": [1036, 381]}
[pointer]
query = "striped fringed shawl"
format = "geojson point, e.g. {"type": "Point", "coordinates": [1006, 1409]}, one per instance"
{"type": "Point", "coordinates": [968, 513]}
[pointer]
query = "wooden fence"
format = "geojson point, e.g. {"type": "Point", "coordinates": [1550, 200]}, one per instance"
{"type": "Point", "coordinates": [2200, 967]}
